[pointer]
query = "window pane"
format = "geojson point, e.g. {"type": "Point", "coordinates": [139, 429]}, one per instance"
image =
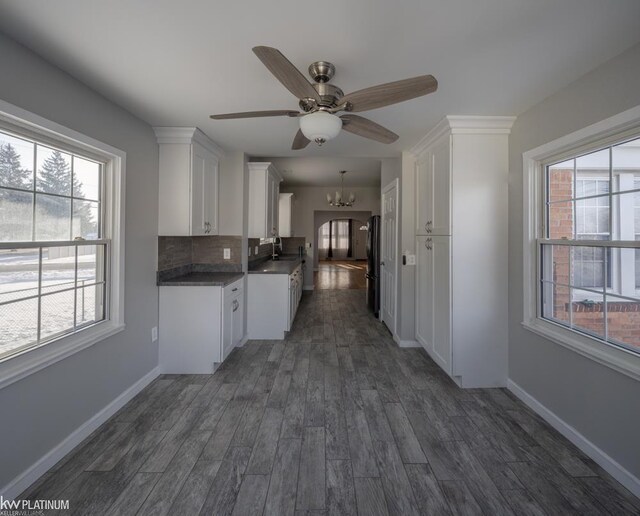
{"type": "Point", "coordinates": [56, 315]}
{"type": "Point", "coordinates": [623, 322]}
{"type": "Point", "coordinates": [16, 216]}
{"type": "Point", "coordinates": [593, 165]}
{"type": "Point", "coordinates": [85, 219]}
{"type": "Point", "coordinates": [556, 266]}
{"type": "Point", "coordinates": [18, 273]}
{"type": "Point", "coordinates": [19, 325]}
{"type": "Point", "coordinates": [90, 264]}
{"type": "Point", "coordinates": [86, 179]}
{"type": "Point", "coordinates": [58, 268]}
{"type": "Point", "coordinates": [560, 220]}
{"type": "Point", "coordinates": [89, 304]}
{"type": "Point", "coordinates": [626, 165]}
{"type": "Point", "coordinates": [54, 171]}
{"type": "Point", "coordinates": [555, 302]}
{"type": "Point", "coordinates": [560, 181]}
{"type": "Point", "coordinates": [587, 312]}
{"type": "Point", "coordinates": [16, 162]}
{"type": "Point", "coordinates": [588, 267]}
{"type": "Point", "coordinates": [53, 218]}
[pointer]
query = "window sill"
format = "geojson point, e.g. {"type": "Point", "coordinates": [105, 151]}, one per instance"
{"type": "Point", "coordinates": [19, 366]}
{"type": "Point", "coordinates": [625, 362]}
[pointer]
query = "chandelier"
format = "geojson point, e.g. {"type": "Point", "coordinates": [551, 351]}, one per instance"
{"type": "Point", "coordinates": [338, 199]}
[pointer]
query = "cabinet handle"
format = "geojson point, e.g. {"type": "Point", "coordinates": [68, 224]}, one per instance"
{"type": "Point", "coordinates": [234, 289]}
{"type": "Point", "coordinates": [427, 244]}
{"type": "Point", "coordinates": [236, 305]}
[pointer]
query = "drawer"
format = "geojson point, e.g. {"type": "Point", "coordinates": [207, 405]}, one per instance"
{"type": "Point", "coordinates": [234, 289]}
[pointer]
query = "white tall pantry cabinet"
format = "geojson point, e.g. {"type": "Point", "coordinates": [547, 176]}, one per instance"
{"type": "Point", "coordinates": [264, 199]}
{"type": "Point", "coordinates": [461, 171]}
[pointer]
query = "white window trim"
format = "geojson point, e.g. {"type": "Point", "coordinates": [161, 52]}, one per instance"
{"type": "Point", "coordinates": [31, 360]}
{"type": "Point", "coordinates": [610, 129]}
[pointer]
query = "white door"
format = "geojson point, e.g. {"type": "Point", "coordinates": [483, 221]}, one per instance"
{"type": "Point", "coordinates": [388, 255]}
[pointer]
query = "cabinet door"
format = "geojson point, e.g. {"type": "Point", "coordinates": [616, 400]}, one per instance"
{"type": "Point", "coordinates": [441, 187]}
{"type": "Point", "coordinates": [237, 321]}
{"type": "Point", "coordinates": [275, 205]}
{"type": "Point", "coordinates": [442, 347]}
{"type": "Point", "coordinates": [424, 292]}
{"type": "Point", "coordinates": [270, 222]}
{"type": "Point", "coordinates": [424, 194]}
{"type": "Point", "coordinates": [199, 194]}
{"type": "Point", "coordinates": [211, 194]}
{"type": "Point", "coordinates": [227, 326]}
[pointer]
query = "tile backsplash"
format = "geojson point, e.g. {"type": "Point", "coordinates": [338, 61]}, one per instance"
{"type": "Point", "coordinates": [289, 246]}
{"type": "Point", "coordinates": [174, 252]}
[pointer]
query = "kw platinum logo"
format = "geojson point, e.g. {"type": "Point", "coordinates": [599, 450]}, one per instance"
{"type": "Point", "coordinates": [10, 507]}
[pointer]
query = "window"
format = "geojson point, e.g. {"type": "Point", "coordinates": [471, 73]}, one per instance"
{"type": "Point", "coordinates": [61, 236]}
{"type": "Point", "coordinates": [581, 287]}
{"type": "Point", "coordinates": [333, 239]}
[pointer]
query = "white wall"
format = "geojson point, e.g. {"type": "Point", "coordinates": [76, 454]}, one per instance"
{"type": "Point", "coordinates": [600, 403]}
{"type": "Point", "coordinates": [41, 410]}
{"type": "Point", "coordinates": [308, 199]}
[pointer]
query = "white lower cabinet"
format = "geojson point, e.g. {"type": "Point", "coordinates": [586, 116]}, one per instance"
{"type": "Point", "coordinates": [433, 306]}
{"type": "Point", "coordinates": [199, 326]}
{"type": "Point", "coordinates": [272, 303]}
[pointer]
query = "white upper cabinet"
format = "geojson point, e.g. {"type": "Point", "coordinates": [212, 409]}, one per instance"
{"type": "Point", "coordinates": [286, 211]}
{"type": "Point", "coordinates": [264, 200]}
{"type": "Point", "coordinates": [433, 189]}
{"type": "Point", "coordinates": [189, 178]}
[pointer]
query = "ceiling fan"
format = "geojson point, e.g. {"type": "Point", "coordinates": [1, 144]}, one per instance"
{"type": "Point", "coordinates": [319, 101]}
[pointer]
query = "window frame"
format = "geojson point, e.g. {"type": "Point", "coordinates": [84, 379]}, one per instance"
{"type": "Point", "coordinates": [16, 120]}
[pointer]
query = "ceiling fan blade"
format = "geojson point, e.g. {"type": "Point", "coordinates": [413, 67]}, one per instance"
{"type": "Point", "coordinates": [286, 73]}
{"type": "Point", "coordinates": [254, 114]}
{"type": "Point", "coordinates": [364, 127]}
{"type": "Point", "coordinates": [300, 141]}
{"type": "Point", "coordinates": [390, 93]}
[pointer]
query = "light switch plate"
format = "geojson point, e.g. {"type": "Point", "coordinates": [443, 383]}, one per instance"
{"type": "Point", "coordinates": [227, 253]}
{"type": "Point", "coordinates": [154, 334]}
{"type": "Point", "coordinates": [411, 259]}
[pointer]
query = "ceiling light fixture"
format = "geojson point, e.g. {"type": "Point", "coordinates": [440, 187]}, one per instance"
{"type": "Point", "coordinates": [320, 126]}
{"type": "Point", "coordinates": [337, 201]}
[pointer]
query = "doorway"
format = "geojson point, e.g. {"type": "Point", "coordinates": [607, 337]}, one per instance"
{"type": "Point", "coordinates": [341, 254]}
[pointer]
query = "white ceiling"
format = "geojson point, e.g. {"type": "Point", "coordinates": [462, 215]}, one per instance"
{"type": "Point", "coordinates": [323, 171]}
{"type": "Point", "coordinates": [174, 63]}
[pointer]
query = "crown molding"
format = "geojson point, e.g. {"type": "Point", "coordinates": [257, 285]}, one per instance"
{"type": "Point", "coordinates": [463, 124]}
{"type": "Point", "coordinates": [261, 166]}
{"type": "Point", "coordinates": [187, 135]}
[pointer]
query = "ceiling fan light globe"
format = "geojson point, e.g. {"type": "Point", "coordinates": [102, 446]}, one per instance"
{"type": "Point", "coordinates": [320, 126]}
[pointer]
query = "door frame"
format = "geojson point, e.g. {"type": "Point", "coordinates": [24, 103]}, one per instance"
{"type": "Point", "coordinates": [393, 184]}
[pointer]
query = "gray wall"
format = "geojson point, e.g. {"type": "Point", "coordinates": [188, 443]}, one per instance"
{"type": "Point", "coordinates": [41, 410]}
{"type": "Point", "coordinates": [601, 404]}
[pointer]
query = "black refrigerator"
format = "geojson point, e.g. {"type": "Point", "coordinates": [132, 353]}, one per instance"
{"type": "Point", "coordinates": [373, 264]}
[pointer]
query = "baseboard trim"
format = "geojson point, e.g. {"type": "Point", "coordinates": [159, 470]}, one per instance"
{"type": "Point", "coordinates": [610, 465]}
{"type": "Point", "coordinates": [244, 340]}
{"type": "Point", "coordinates": [406, 343]}
{"type": "Point", "coordinates": [39, 468]}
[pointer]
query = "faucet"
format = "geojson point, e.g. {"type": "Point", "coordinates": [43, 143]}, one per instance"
{"type": "Point", "coordinates": [275, 241]}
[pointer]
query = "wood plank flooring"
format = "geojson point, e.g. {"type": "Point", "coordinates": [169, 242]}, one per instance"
{"type": "Point", "coordinates": [340, 274]}
{"type": "Point", "coordinates": [335, 419]}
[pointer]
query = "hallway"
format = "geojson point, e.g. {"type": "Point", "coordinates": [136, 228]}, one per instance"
{"type": "Point", "coordinates": [340, 274]}
{"type": "Point", "coordinates": [335, 419]}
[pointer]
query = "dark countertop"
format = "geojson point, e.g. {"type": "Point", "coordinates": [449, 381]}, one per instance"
{"type": "Point", "coordinates": [202, 279]}
{"type": "Point", "coordinates": [284, 266]}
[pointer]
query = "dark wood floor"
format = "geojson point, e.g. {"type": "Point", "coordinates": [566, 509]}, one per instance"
{"type": "Point", "coordinates": [340, 274]}
{"type": "Point", "coordinates": [336, 419]}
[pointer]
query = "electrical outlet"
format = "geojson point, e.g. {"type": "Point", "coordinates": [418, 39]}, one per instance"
{"type": "Point", "coordinates": [411, 259]}
{"type": "Point", "coordinates": [256, 251]}
{"type": "Point", "coordinates": [154, 334]}
{"type": "Point", "coordinates": [227, 253]}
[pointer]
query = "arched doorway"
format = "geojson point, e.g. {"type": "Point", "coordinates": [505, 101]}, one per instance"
{"type": "Point", "coordinates": [341, 254]}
